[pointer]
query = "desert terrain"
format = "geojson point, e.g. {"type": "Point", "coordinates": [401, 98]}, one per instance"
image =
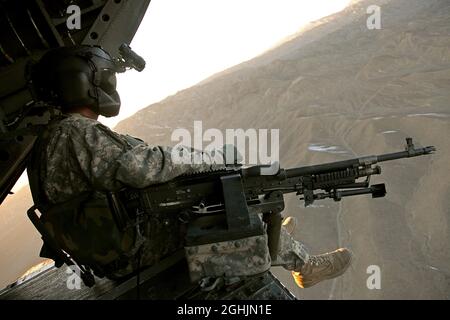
{"type": "Point", "coordinates": [335, 90]}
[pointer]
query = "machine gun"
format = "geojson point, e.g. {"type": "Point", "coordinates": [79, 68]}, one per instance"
{"type": "Point", "coordinates": [223, 207]}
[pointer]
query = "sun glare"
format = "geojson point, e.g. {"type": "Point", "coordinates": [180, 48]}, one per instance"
{"type": "Point", "coordinates": [185, 42]}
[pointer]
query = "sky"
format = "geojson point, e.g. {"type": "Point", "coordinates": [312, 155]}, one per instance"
{"type": "Point", "coordinates": [185, 42]}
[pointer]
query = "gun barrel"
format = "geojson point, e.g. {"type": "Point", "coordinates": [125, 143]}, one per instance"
{"type": "Point", "coordinates": [369, 160]}
{"type": "Point", "coordinates": [321, 168]}
{"type": "Point", "coordinates": [406, 154]}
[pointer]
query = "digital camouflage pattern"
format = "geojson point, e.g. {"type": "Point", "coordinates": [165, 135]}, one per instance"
{"type": "Point", "coordinates": [90, 234]}
{"type": "Point", "coordinates": [292, 254]}
{"type": "Point", "coordinates": [84, 155]}
{"type": "Point", "coordinates": [243, 257]}
{"type": "Point", "coordinates": [79, 155]}
{"type": "Point", "coordinates": [234, 258]}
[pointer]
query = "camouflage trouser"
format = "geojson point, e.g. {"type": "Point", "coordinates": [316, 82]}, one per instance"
{"type": "Point", "coordinates": [292, 253]}
{"type": "Point", "coordinates": [163, 240]}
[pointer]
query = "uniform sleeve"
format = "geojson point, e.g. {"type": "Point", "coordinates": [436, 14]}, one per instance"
{"type": "Point", "coordinates": [110, 161]}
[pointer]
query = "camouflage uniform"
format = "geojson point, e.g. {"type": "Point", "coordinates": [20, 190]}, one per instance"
{"type": "Point", "coordinates": [80, 155]}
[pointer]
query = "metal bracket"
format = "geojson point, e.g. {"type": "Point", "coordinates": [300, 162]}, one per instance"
{"type": "Point", "coordinates": [237, 212]}
{"type": "Point", "coordinates": [410, 146]}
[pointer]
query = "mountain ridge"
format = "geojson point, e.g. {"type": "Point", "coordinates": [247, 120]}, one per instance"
{"type": "Point", "coordinates": [356, 92]}
{"type": "Point", "coordinates": [360, 92]}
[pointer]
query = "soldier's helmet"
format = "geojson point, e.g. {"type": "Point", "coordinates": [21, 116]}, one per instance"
{"type": "Point", "coordinates": [76, 76]}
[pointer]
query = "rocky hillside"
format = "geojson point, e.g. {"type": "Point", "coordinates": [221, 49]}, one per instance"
{"type": "Point", "coordinates": [335, 90]}
{"type": "Point", "coordinates": [338, 90]}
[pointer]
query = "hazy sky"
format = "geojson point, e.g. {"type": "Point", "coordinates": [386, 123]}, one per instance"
{"type": "Point", "coordinates": [185, 42]}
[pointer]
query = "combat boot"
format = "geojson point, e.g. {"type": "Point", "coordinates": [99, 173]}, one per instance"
{"type": "Point", "coordinates": [289, 223]}
{"type": "Point", "coordinates": [322, 267]}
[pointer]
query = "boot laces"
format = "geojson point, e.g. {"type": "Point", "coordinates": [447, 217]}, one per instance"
{"type": "Point", "coordinates": [318, 260]}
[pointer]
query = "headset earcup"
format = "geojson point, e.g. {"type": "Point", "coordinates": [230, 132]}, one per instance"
{"type": "Point", "coordinates": [73, 89]}
{"type": "Point", "coordinates": [108, 105]}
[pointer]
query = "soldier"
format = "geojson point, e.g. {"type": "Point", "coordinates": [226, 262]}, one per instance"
{"type": "Point", "coordinates": [78, 160]}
